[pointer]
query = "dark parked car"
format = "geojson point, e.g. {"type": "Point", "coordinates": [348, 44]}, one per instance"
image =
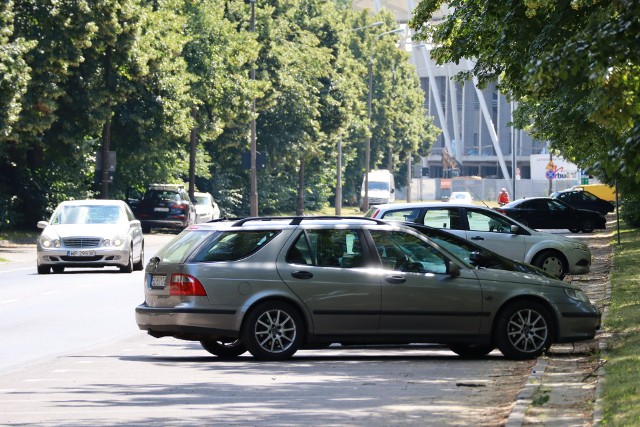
{"type": "Point", "coordinates": [545, 212]}
{"type": "Point", "coordinates": [581, 199]}
{"type": "Point", "coordinates": [165, 206]}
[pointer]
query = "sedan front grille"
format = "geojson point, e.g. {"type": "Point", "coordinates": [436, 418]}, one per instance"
{"type": "Point", "coordinates": [81, 242]}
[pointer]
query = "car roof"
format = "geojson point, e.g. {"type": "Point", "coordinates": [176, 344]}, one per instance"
{"type": "Point", "coordinates": [388, 206]}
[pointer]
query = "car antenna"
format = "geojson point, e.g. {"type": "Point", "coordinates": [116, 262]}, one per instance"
{"type": "Point", "coordinates": [476, 196]}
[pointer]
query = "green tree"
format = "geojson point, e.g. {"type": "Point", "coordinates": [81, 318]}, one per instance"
{"type": "Point", "coordinates": [571, 65]}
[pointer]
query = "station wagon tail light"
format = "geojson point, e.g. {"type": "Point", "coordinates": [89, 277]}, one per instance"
{"type": "Point", "coordinates": [186, 285]}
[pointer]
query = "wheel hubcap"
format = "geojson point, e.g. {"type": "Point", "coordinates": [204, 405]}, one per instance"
{"type": "Point", "coordinates": [553, 266]}
{"type": "Point", "coordinates": [275, 331]}
{"type": "Point", "coordinates": [527, 330]}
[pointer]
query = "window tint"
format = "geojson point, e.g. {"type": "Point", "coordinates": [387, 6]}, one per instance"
{"type": "Point", "coordinates": [481, 221]}
{"type": "Point", "coordinates": [443, 218]}
{"type": "Point", "coordinates": [233, 245]}
{"type": "Point", "coordinates": [402, 215]}
{"type": "Point", "coordinates": [327, 248]}
{"type": "Point", "coordinates": [400, 251]}
{"type": "Point", "coordinates": [181, 245]}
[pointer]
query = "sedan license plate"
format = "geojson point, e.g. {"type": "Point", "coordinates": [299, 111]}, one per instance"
{"type": "Point", "coordinates": [161, 209]}
{"type": "Point", "coordinates": [81, 253]}
{"type": "Point", "coordinates": [157, 281]}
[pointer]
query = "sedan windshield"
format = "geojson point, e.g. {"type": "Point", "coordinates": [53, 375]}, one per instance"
{"type": "Point", "coordinates": [88, 214]}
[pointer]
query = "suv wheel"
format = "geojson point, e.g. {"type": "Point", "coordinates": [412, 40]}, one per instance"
{"type": "Point", "coordinates": [523, 330]}
{"type": "Point", "coordinates": [224, 348]}
{"type": "Point", "coordinates": [140, 264]}
{"type": "Point", "coordinates": [273, 330]}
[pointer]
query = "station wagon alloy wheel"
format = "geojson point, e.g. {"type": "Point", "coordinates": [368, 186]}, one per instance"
{"type": "Point", "coordinates": [524, 330]}
{"type": "Point", "coordinates": [273, 331]}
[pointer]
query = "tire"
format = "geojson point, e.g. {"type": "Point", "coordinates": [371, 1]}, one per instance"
{"type": "Point", "coordinates": [273, 330]}
{"type": "Point", "coordinates": [58, 269]}
{"type": "Point", "coordinates": [574, 230]}
{"type": "Point", "coordinates": [139, 265]}
{"type": "Point", "coordinates": [472, 351]}
{"type": "Point", "coordinates": [524, 330]}
{"type": "Point", "coordinates": [224, 348]}
{"type": "Point", "coordinates": [551, 262]}
{"type": "Point", "coordinates": [587, 226]}
{"type": "Point", "coordinates": [129, 267]}
{"type": "Point", "coordinates": [43, 269]}
{"type": "Point", "coordinates": [146, 229]}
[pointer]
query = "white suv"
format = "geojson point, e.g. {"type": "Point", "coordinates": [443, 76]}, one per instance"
{"type": "Point", "coordinates": [557, 255]}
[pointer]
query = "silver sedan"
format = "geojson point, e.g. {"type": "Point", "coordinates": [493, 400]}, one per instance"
{"type": "Point", "coordinates": [90, 233]}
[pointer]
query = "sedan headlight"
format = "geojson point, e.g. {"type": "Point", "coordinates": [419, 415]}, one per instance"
{"type": "Point", "coordinates": [48, 243]}
{"type": "Point", "coordinates": [115, 242]}
{"type": "Point", "coordinates": [576, 294]}
{"type": "Point", "coordinates": [579, 245]}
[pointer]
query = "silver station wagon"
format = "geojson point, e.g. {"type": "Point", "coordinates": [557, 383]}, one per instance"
{"type": "Point", "coordinates": [275, 285]}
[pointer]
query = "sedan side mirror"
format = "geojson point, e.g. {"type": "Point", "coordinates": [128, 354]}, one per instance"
{"type": "Point", "coordinates": [42, 224]}
{"type": "Point", "coordinates": [478, 259]}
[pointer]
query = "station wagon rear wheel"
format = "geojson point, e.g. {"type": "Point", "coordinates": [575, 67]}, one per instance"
{"type": "Point", "coordinates": [224, 348]}
{"type": "Point", "coordinates": [524, 330]}
{"type": "Point", "coordinates": [273, 330]}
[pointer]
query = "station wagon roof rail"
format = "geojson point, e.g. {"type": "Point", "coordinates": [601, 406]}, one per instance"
{"type": "Point", "coordinates": [296, 220]}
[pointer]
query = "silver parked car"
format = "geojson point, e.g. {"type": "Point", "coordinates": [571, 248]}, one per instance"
{"type": "Point", "coordinates": [275, 285]}
{"type": "Point", "coordinates": [90, 233]}
{"type": "Point", "coordinates": [555, 254]}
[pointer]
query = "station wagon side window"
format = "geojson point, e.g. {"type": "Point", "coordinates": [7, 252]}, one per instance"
{"type": "Point", "coordinates": [327, 248]}
{"type": "Point", "coordinates": [443, 218]}
{"type": "Point", "coordinates": [234, 245]}
{"type": "Point", "coordinates": [400, 251]}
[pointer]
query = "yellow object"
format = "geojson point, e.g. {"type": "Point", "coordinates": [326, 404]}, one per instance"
{"type": "Point", "coordinates": [603, 191]}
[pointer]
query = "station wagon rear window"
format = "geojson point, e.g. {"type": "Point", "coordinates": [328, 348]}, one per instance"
{"type": "Point", "coordinates": [233, 245]}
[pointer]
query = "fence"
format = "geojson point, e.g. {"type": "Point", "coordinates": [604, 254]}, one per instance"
{"type": "Point", "coordinates": [423, 189]}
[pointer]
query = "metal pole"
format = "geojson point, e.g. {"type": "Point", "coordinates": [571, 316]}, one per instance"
{"type": "Point", "coordinates": [339, 179]}
{"type": "Point", "coordinates": [253, 197]}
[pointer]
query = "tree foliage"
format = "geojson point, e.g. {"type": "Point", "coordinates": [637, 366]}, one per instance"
{"type": "Point", "coordinates": [572, 65]}
{"type": "Point", "coordinates": [145, 78]}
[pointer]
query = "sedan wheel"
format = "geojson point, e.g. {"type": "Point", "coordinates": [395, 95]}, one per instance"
{"type": "Point", "coordinates": [224, 348]}
{"type": "Point", "coordinates": [44, 269]}
{"type": "Point", "coordinates": [574, 230]}
{"type": "Point", "coordinates": [552, 263]}
{"type": "Point", "coordinates": [273, 330]}
{"type": "Point", "coordinates": [140, 264]}
{"type": "Point", "coordinates": [587, 226]}
{"type": "Point", "coordinates": [524, 330]}
{"type": "Point", "coordinates": [58, 269]}
{"type": "Point", "coordinates": [129, 267]}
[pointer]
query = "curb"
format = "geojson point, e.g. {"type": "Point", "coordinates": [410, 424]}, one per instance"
{"type": "Point", "coordinates": [525, 396]}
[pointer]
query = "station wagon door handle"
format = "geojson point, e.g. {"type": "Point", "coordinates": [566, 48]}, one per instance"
{"type": "Point", "coordinates": [477, 238]}
{"type": "Point", "coordinates": [395, 279]}
{"type": "Point", "coordinates": [302, 275]}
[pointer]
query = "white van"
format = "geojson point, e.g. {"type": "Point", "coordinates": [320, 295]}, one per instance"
{"type": "Point", "coordinates": [381, 188]}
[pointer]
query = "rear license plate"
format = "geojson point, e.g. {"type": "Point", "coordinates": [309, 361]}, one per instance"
{"type": "Point", "coordinates": [161, 209]}
{"type": "Point", "coordinates": [157, 281]}
{"type": "Point", "coordinates": [81, 253]}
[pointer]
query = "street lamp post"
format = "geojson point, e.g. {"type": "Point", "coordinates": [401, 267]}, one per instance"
{"type": "Point", "coordinates": [367, 149]}
{"type": "Point", "coordinates": [253, 197]}
{"type": "Point", "coordinates": [338, 201]}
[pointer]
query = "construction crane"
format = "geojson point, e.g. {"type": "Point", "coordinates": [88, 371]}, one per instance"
{"type": "Point", "coordinates": [450, 168]}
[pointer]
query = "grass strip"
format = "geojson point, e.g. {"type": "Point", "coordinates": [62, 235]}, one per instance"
{"type": "Point", "coordinates": [621, 391]}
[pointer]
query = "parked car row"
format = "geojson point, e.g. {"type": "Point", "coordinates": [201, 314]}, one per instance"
{"type": "Point", "coordinates": [275, 285]}
{"type": "Point", "coordinates": [555, 254]}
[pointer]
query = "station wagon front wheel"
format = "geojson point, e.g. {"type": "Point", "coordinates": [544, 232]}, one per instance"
{"type": "Point", "coordinates": [524, 330]}
{"type": "Point", "coordinates": [273, 330]}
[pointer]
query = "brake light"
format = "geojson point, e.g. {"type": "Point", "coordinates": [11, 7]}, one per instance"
{"type": "Point", "coordinates": [186, 285]}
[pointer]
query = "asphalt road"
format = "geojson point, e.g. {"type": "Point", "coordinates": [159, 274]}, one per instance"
{"type": "Point", "coordinates": [73, 355]}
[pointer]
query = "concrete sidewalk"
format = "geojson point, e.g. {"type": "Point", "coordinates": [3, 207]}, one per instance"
{"type": "Point", "coordinates": [17, 252]}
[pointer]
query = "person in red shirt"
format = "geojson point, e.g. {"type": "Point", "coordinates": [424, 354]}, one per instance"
{"type": "Point", "coordinates": [503, 197]}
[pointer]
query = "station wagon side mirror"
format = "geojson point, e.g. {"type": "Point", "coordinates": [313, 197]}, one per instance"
{"type": "Point", "coordinates": [515, 229]}
{"type": "Point", "coordinates": [452, 269]}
